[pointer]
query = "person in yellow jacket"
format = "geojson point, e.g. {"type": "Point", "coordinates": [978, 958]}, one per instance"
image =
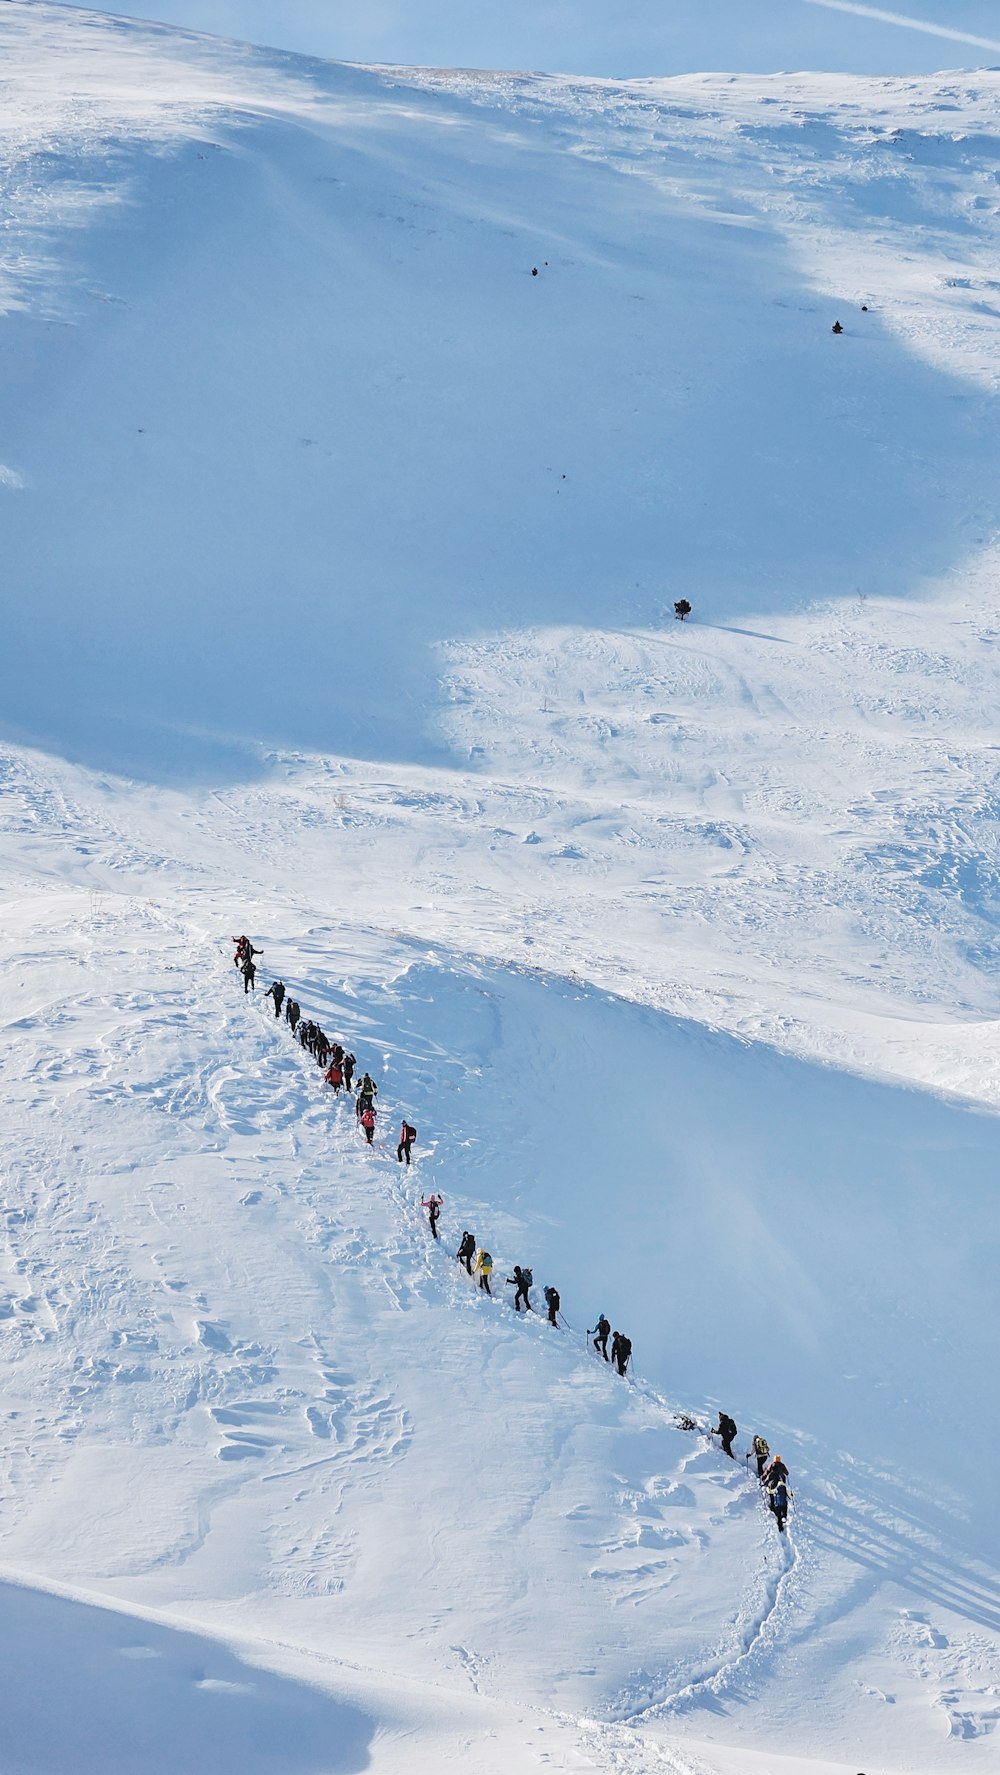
{"type": "Point", "coordinates": [484, 1267]}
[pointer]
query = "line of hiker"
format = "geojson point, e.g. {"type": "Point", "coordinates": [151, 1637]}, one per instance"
{"type": "Point", "coordinates": [772, 1473]}
{"type": "Point", "coordinates": [339, 1065]}
{"type": "Point", "coordinates": [243, 959]}
{"type": "Point", "coordinates": [621, 1346]}
{"type": "Point", "coordinates": [478, 1262]}
{"type": "Point", "coordinates": [339, 1069]}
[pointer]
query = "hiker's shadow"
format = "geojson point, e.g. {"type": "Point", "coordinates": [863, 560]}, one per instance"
{"type": "Point", "coordinates": [900, 1551]}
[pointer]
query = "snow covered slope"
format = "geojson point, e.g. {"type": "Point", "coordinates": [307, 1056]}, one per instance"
{"type": "Point", "coordinates": [603, 900]}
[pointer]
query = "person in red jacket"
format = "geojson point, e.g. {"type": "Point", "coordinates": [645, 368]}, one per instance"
{"type": "Point", "coordinates": [407, 1135]}
{"type": "Point", "coordinates": [367, 1120]}
{"type": "Point", "coordinates": [334, 1075]}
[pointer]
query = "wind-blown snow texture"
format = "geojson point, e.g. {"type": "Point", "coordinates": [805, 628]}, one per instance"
{"type": "Point", "coordinates": [340, 554]}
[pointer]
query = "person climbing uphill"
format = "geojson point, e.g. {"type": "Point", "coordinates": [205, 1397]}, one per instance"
{"type": "Point", "coordinates": [292, 1013]}
{"type": "Point", "coordinates": [367, 1120]}
{"type": "Point", "coordinates": [349, 1064]}
{"type": "Point", "coordinates": [726, 1429]}
{"type": "Point", "coordinates": [466, 1251]}
{"type": "Point", "coordinates": [520, 1281]}
{"type": "Point", "coordinates": [552, 1302]}
{"type": "Point", "coordinates": [761, 1451]}
{"type": "Point", "coordinates": [600, 1335]}
{"type": "Point", "coordinates": [276, 990]}
{"type": "Point", "coordinates": [621, 1351]}
{"type": "Point", "coordinates": [367, 1093]}
{"type": "Point", "coordinates": [334, 1075]}
{"type": "Point", "coordinates": [778, 1503]}
{"type": "Point", "coordinates": [250, 972]}
{"type": "Point", "coordinates": [484, 1268]}
{"type": "Point", "coordinates": [433, 1206]}
{"type": "Point", "coordinates": [407, 1135]}
{"type": "Point", "coordinates": [775, 1474]}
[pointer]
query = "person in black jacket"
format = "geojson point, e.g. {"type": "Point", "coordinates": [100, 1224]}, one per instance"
{"type": "Point", "coordinates": [292, 1013]}
{"type": "Point", "coordinates": [600, 1334]}
{"type": "Point", "coordinates": [552, 1302]}
{"type": "Point", "coordinates": [467, 1251]}
{"type": "Point", "coordinates": [774, 1474]}
{"type": "Point", "coordinates": [276, 990]}
{"type": "Point", "coordinates": [520, 1281]}
{"type": "Point", "coordinates": [726, 1429]}
{"type": "Point", "coordinates": [621, 1351]}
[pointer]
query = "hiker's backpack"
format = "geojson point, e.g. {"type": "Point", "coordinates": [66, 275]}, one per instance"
{"type": "Point", "coordinates": [526, 1278]}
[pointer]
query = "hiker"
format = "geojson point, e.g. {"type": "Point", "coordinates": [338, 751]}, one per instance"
{"type": "Point", "coordinates": [407, 1135]}
{"type": "Point", "coordinates": [778, 1501]}
{"type": "Point", "coordinates": [349, 1064]}
{"type": "Point", "coordinates": [727, 1430]}
{"type": "Point", "coordinates": [484, 1265]}
{"type": "Point", "coordinates": [836, 328]}
{"type": "Point", "coordinates": [276, 990]}
{"type": "Point", "coordinates": [337, 1053]}
{"type": "Point", "coordinates": [250, 972]}
{"type": "Point", "coordinates": [433, 1207]}
{"type": "Point", "coordinates": [367, 1091]}
{"type": "Point", "coordinates": [600, 1335]}
{"type": "Point", "coordinates": [775, 1474]}
{"type": "Point", "coordinates": [621, 1350]}
{"type": "Point", "coordinates": [465, 1251]}
{"type": "Point", "coordinates": [367, 1120]}
{"type": "Point", "coordinates": [552, 1302]}
{"type": "Point", "coordinates": [520, 1281]}
{"type": "Point", "coordinates": [304, 1032]}
{"type": "Point", "coordinates": [242, 945]}
{"type": "Point", "coordinates": [761, 1451]}
{"type": "Point", "coordinates": [292, 1013]}
{"type": "Point", "coordinates": [334, 1075]}
{"type": "Point", "coordinates": [321, 1048]}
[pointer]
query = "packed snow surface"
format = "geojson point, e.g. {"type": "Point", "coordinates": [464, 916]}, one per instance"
{"type": "Point", "coordinates": [340, 556]}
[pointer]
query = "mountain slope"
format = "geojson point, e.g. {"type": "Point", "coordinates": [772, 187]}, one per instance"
{"type": "Point", "coordinates": [313, 639]}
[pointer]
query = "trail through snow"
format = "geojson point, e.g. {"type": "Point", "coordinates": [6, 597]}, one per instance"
{"type": "Point", "coordinates": [341, 553]}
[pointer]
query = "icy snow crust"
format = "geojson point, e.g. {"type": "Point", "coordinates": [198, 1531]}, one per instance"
{"type": "Point", "coordinates": [677, 943]}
